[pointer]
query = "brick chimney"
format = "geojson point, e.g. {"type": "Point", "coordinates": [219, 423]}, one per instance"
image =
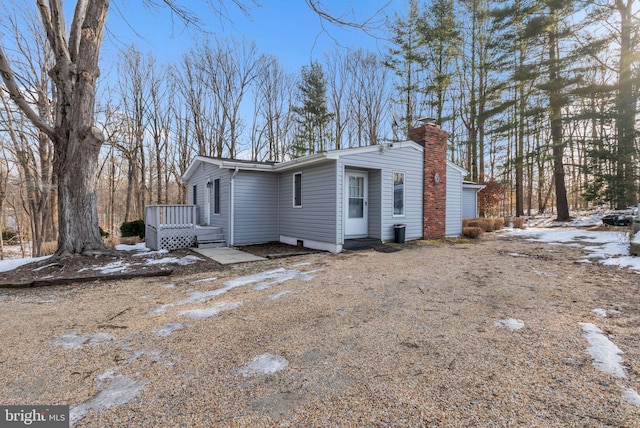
{"type": "Point", "coordinates": [434, 212]}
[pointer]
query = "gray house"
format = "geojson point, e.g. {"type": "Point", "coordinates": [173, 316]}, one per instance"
{"type": "Point", "coordinates": [323, 200]}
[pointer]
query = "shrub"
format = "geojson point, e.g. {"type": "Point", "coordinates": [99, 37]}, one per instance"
{"type": "Point", "coordinates": [491, 224]}
{"type": "Point", "coordinates": [103, 233]}
{"type": "Point", "coordinates": [48, 248]}
{"type": "Point", "coordinates": [472, 232]}
{"type": "Point", "coordinates": [498, 223]}
{"type": "Point", "coordinates": [518, 222]}
{"type": "Point", "coordinates": [481, 223]}
{"type": "Point", "coordinates": [8, 235]}
{"type": "Point", "coordinates": [132, 228]}
{"type": "Point", "coordinates": [465, 222]}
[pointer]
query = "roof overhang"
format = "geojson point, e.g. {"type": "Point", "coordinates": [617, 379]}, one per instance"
{"type": "Point", "coordinates": [224, 163]}
{"type": "Point", "coordinates": [472, 185]}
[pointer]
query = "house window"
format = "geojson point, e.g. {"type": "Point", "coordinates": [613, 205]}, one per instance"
{"type": "Point", "coordinates": [195, 194]}
{"type": "Point", "coordinates": [216, 196]}
{"type": "Point", "coordinates": [297, 190]}
{"type": "Point", "coordinates": [398, 193]}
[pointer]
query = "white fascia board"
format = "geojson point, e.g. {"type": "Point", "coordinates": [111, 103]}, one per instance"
{"type": "Point", "coordinates": [476, 186]}
{"type": "Point", "coordinates": [457, 167]}
{"type": "Point", "coordinates": [194, 165]}
{"type": "Point", "coordinates": [298, 162]}
{"type": "Point", "coordinates": [227, 164]}
{"type": "Point", "coordinates": [246, 166]}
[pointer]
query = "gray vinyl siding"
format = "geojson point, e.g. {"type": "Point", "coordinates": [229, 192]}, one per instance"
{"type": "Point", "coordinates": [256, 207]}
{"type": "Point", "coordinates": [199, 178]}
{"type": "Point", "coordinates": [316, 219]}
{"type": "Point", "coordinates": [381, 165]}
{"type": "Point", "coordinates": [375, 204]}
{"type": "Point", "coordinates": [454, 202]}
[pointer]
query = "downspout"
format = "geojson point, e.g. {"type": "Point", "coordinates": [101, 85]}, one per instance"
{"type": "Point", "coordinates": [232, 207]}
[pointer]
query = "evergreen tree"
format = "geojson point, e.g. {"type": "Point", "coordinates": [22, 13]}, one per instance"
{"type": "Point", "coordinates": [407, 59]}
{"type": "Point", "coordinates": [442, 41]}
{"type": "Point", "coordinates": [313, 115]}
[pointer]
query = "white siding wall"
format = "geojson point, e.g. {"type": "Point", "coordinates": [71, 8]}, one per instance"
{"type": "Point", "coordinates": [454, 202]}
{"type": "Point", "coordinates": [382, 163]}
{"type": "Point", "coordinates": [469, 203]}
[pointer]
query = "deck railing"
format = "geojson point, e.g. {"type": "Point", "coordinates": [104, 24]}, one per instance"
{"type": "Point", "coordinates": [170, 226]}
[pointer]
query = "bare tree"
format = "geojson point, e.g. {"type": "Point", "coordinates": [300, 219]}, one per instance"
{"type": "Point", "coordinates": [272, 98]}
{"type": "Point", "coordinates": [229, 67]}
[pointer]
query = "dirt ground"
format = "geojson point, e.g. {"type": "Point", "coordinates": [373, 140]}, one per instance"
{"type": "Point", "coordinates": [361, 338]}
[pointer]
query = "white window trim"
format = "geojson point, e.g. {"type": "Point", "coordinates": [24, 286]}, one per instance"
{"type": "Point", "coordinates": [294, 189]}
{"type": "Point", "coordinates": [404, 193]}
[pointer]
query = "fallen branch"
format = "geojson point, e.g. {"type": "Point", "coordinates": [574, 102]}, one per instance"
{"type": "Point", "coordinates": [65, 281]}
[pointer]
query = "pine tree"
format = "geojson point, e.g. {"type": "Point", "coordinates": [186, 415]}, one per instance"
{"type": "Point", "coordinates": [313, 115]}
{"type": "Point", "coordinates": [407, 59]}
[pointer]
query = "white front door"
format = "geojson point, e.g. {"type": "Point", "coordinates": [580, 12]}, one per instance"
{"type": "Point", "coordinates": [356, 194]}
{"type": "Point", "coordinates": [207, 203]}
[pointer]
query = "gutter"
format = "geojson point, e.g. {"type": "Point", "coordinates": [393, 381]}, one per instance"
{"type": "Point", "coordinates": [232, 207]}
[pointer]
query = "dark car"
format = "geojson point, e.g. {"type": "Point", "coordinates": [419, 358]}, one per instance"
{"type": "Point", "coordinates": [617, 220]}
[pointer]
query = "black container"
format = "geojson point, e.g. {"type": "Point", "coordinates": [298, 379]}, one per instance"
{"type": "Point", "coordinates": [398, 231]}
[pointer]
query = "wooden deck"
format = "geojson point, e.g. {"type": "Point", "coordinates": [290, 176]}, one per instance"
{"type": "Point", "coordinates": [169, 227]}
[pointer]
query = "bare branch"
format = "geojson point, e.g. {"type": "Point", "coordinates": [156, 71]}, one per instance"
{"type": "Point", "coordinates": [76, 28]}
{"type": "Point", "coordinates": [16, 95]}
{"type": "Point", "coordinates": [53, 22]}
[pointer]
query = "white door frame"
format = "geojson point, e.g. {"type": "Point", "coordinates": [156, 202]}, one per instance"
{"type": "Point", "coordinates": [207, 202]}
{"type": "Point", "coordinates": [356, 227]}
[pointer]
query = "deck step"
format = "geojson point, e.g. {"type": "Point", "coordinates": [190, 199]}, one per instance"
{"type": "Point", "coordinates": [211, 243]}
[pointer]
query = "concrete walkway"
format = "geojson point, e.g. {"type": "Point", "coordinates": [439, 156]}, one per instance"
{"type": "Point", "coordinates": [227, 256]}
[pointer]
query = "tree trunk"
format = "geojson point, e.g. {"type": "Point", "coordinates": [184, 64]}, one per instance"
{"type": "Point", "coordinates": [626, 111]}
{"type": "Point", "coordinates": [555, 117]}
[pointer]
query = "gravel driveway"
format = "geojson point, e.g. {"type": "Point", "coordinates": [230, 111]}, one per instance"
{"type": "Point", "coordinates": [480, 333]}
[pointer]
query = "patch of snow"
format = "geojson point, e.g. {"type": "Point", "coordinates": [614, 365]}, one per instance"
{"type": "Point", "coordinates": [197, 281]}
{"type": "Point", "coordinates": [186, 260]}
{"type": "Point", "coordinates": [278, 294]}
{"type": "Point", "coordinates": [517, 255]}
{"type": "Point", "coordinates": [137, 247]}
{"type": "Point", "coordinates": [118, 391]}
{"type": "Point", "coordinates": [275, 276]}
{"type": "Point", "coordinates": [167, 329]}
{"type": "Point", "coordinates": [541, 273]}
{"type": "Point", "coordinates": [149, 253]}
{"type": "Point", "coordinates": [7, 265]}
{"type": "Point", "coordinates": [195, 297]}
{"type": "Point", "coordinates": [170, 286]}
{"type": "Point", "coordinates": [611, 248]}
{"type": "Point", "coordinates": [631, 395]}
{"type": "Point", "coordinates": [269, 278]}
{"type": "Point", "coordinates": [117, 266]}
{"type": "Point", "coordinates": [605, 354]}
{"type": "Point", "coordinates": [71, 340]}
{"type": "Point", "coordinates": [601, 312]}
{"type": "Point", "coordinates": [265, 364]}
{"type": "Point", "coordinates": [43, 267]}
{"type": "Point", "coordinates": [510, 323]}
{"type": "Point", "coordinates": [585, 261]}
{"type": "Point", "coordinates": [636, 238]}
{"type": "Point", "coordinates": [214, 310]}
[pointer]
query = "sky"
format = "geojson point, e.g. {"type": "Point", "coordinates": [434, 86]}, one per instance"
{"type": "Point", "coordinates": [287, 29]}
